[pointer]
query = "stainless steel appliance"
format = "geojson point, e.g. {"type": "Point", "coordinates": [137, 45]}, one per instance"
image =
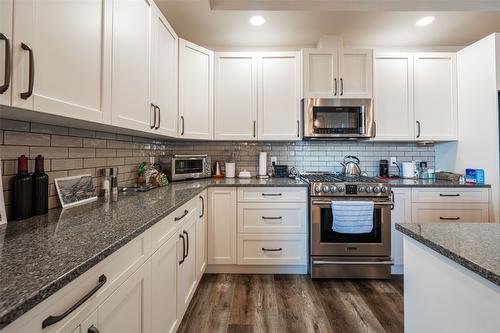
{"type": "Point", "coordinates": [334, 118]}
{"type": "Point", "coordinates": [341, 255]}
{"type": "Point", "coordinates": [180, 167]}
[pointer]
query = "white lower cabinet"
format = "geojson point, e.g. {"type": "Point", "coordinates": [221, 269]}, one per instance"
{"type": "Point", "coordinates": [201, 236]}
{"type": "Point", "coordinates": [164, 280]}
{"type": "Point", "coordinates": [401, 213]}
{"type": "Point", "coordinates": [186, 271]}
{"type": "Point", "coordinates": [128, 309]}
{"type": "Point", "coordinates": [222, 225]}
{"type": "Point", "coordinates": [277, 249]}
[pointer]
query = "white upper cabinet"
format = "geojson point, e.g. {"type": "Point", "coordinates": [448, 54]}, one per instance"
{"type": "Point", "coordinates": [355, 73]}
{"type": "Point", "coordinates": [6, 7]}
{"type": "Point", "coordinates": [62, 57]}
{"type": "Point", "coordinates": [164, 65]}
{"type": "Point", "coordinates": [435, 96]}
{"type": "Point", "coordinates": [131, 64]}
{"type": "Point", "coordinates": [393, 96]}
{"type": "Point", "coordinates": [321, 71]}
{"type": "Point", "coordinates": [195, 91]}
{"type": "Point", "coordinates": [279, 96]}
{"type": "Point", "coordinates": [235, 96]}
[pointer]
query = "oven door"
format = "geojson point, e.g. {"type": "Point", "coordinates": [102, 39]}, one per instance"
{"type": "Point", "coordinates": [186, 167]}
{"type": "Point", "coordinates": [326, 242]}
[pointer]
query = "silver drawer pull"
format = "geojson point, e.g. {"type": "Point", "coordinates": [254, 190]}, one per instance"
{"type": "Point", "coordinates": [272, 250]}
{"type": "Point", "coordinates": [272, 194]}
{"type": "Point", "coordinates": [449, 218]}
{"type": "Point", "coordinates": [327, 262]}
{"type": "Point", "coordinates": [449, 195]}
{"type": "Point", "coordinates": [272, 217]}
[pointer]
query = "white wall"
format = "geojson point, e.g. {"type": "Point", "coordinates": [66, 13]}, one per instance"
{"type": "Point", "coordinates": [478, 132]}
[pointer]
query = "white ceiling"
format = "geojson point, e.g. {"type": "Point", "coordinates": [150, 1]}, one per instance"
{"type": "Point", "coordinates": [221, 28]}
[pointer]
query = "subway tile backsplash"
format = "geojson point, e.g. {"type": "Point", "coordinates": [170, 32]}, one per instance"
{"type": "Point", "coordinates": [72, 151]}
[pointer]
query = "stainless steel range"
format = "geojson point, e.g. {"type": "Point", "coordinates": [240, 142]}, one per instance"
{"type": "Point", "coordinates": [349, 255]}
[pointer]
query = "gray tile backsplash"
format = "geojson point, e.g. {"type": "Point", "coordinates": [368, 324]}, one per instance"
{"type": "Point", "coordinates": [71, 151]}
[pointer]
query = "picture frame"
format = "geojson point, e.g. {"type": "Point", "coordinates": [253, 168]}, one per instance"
{"type": "Point", "coordinates": [3, 213]}
{"type": "Point", "coordinates": [75, 190]}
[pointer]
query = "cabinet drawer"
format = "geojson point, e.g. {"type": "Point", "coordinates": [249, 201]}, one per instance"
{"type": "Point", "coordinates": [116, 268]}
{"type": "Point", "coordinates": [450, 195]}
{"type": "Point", "coordinates": [441, 213]}
{"type": "Point", "coordinates": [272, 218]}
{"type": "Point", "coordinates": [260, 249]}
{"type": "Point", "coordinates": [164, 229]}
{"type": "Point", "coordinates": [271, 194]}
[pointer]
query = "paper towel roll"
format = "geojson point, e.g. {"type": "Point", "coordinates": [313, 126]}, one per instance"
{"type": "Point", "coordinates": [262, 163]}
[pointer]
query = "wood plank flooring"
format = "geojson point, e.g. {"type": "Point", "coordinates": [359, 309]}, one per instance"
{"type": "Point", "coordinates": [236, 303]}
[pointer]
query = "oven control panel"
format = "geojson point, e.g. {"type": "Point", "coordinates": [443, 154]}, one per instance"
{"type": "Point", "coordinates": [340, 189]}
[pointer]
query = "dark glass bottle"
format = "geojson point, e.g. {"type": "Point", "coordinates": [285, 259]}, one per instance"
{"type": "Point", "coordinates": [23, 190]}
{"type": "Point", "coordinates": [40, 188]}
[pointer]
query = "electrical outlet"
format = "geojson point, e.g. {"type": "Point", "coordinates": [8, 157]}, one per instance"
{"type": "Point", "coordinates": [393, 161]}
{"type": "Point", "coordinates": [274, 160]}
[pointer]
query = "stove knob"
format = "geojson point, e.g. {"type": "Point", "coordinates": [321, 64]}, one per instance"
{"type": "Point", "coordinates": [333, 189]}
{"type": "Point", "coordinates": [376, 189]}
{"type": "Point", "coordinates": [317, 189]}
{"type": "Point", "coordinates": [384, 189]}
{"type": "Point", "coordinates": [340, 189]}
{"type": "Point", "coordinates": [369, 189]}
{"type": "Point", "coordinates": [361, 188]}
{"type": "Point", "coordinates": [326, 189]}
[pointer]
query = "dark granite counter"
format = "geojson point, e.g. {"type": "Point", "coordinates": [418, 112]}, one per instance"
{"type": "Point", "coordinates": [41, 255]}
{"type": "Point", "coordinates": [476, 246]}
{"type": "Point", "coordinates": [429, 183]}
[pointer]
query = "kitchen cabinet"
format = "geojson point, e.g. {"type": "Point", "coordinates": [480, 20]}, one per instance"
{"type": "Point", "coordinates": [201, 235]}
{"type": "Point", "coordinates": [131, 64]}
{"type": "Point", "coordinates": [222, 220]}
{"type": "Point", "coordinates": [128, 309]}
{"type": "Point", "coordinates": [76, 83]}
{"type": "Point", "coordinates": [435, 84]}
{"type": "Point", "coordinates": [164, 64]}
{"type": "Point", "coordinates": [195, 91]}
{"type": "Point", "coordinates": [337, 73]}
{"type": "Point", "coordinates": [355, 73]}
{"type": "Point", "coordinates": [401, 213]}
{"type": "Point", "coordinates": [279, 96]}
{"type": "Point", "coordinates": [6, 10]}
{"type": "Point", "coordinates": [393, 96]}
{"type": "Point", "coordinates": [165, 317]}
{"type": "Point", "coordinates": [235, 96]}
{"type": "Point", "coordinates": [186, 270]}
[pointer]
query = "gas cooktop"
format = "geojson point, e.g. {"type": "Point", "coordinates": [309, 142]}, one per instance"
{"type": "Point", "coordinates": [334, 184]}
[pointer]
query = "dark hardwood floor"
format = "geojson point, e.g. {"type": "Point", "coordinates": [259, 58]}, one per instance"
{"type": "Point", "coordinates": [235, 303]}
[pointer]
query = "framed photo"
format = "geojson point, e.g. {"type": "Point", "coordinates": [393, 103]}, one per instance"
{"type": "Point", "coordinates": [75, 190]}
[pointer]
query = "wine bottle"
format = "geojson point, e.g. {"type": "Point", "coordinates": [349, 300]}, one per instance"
{"type": "Point", "coordinates": [40, 188]}
{"type": "Point", "coordinates": [23, 190]}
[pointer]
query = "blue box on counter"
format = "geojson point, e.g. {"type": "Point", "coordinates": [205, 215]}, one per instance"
{"type": "Point", "coordinates": [474, 176]}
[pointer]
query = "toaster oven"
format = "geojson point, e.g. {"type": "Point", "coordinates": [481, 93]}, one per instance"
{"type": "Point", "coordinates": [181, 167]}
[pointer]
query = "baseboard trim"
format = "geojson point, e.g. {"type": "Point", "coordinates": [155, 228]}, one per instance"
{"type": "Point", "coordinates": [257, 269]}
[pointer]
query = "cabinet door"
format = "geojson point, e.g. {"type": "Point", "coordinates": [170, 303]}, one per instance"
{"type": "Point", "coordinates": [279, 96]}
{"type": "Point", "coordinates": [195, 91]}
{"type": "Point", "coordinates": [131, 64]}
{"type": "Point", "coordinates": [201, 236]}
{"type": "Point", "coordinates": [6, 7]}
{"type": "Point", "coordinates": [321, 73]}
{"type": "Point", "coordinates": [393, 96]}
{"type": "Point", "coordinates": [164, 74]}
{"type": "Point", "coordinates": [71, 46]}
{"type": "Point", "coordinates": [164, 283]}
{"type": "Point", "coordinates": [222, 225]}
{"type": "Point", "coordinates": [356, 73]}
{"type": "Point", "coordinates": [436, 96]}
{"type": "Point", "coordinates": [186, 273]}
{"type": "Point", "coordinates": [400, 214]}
{"type": "Point", "coordinates": [128, 309]}
{"type": "Point", "coordinates": [235, 96]}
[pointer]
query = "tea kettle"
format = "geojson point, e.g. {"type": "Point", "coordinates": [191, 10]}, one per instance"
{"type": "Point", "coordinates": [351, 168]}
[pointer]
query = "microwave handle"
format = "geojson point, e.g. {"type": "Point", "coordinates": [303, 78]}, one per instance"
{"type": "Point", "coordinates": [363, 120]}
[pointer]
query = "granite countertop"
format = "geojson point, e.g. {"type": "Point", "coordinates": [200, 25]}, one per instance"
{"type": "Point", "coordinates": [42, 254]}
{"type": "Point", "coordinates": [401, 182]}
{"type": "Point", "coordinates": [476, 246]}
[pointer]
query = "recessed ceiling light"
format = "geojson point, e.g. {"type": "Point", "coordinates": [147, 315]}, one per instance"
{"type": "Point", "coordinates": [425, 21]}
{"type": "Point", "coordinates": [257, 20]}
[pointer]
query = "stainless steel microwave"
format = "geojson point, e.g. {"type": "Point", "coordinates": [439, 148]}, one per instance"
{"type": "Point", "coordinates": [180, 167]}
{"type": "Point", "coordinates": [336, 118]}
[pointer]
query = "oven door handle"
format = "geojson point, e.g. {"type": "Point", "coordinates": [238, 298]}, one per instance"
{"type": "Point", "coordinates": [323, 202]}
{"type": "Point", "coordinates": [327, 262]}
